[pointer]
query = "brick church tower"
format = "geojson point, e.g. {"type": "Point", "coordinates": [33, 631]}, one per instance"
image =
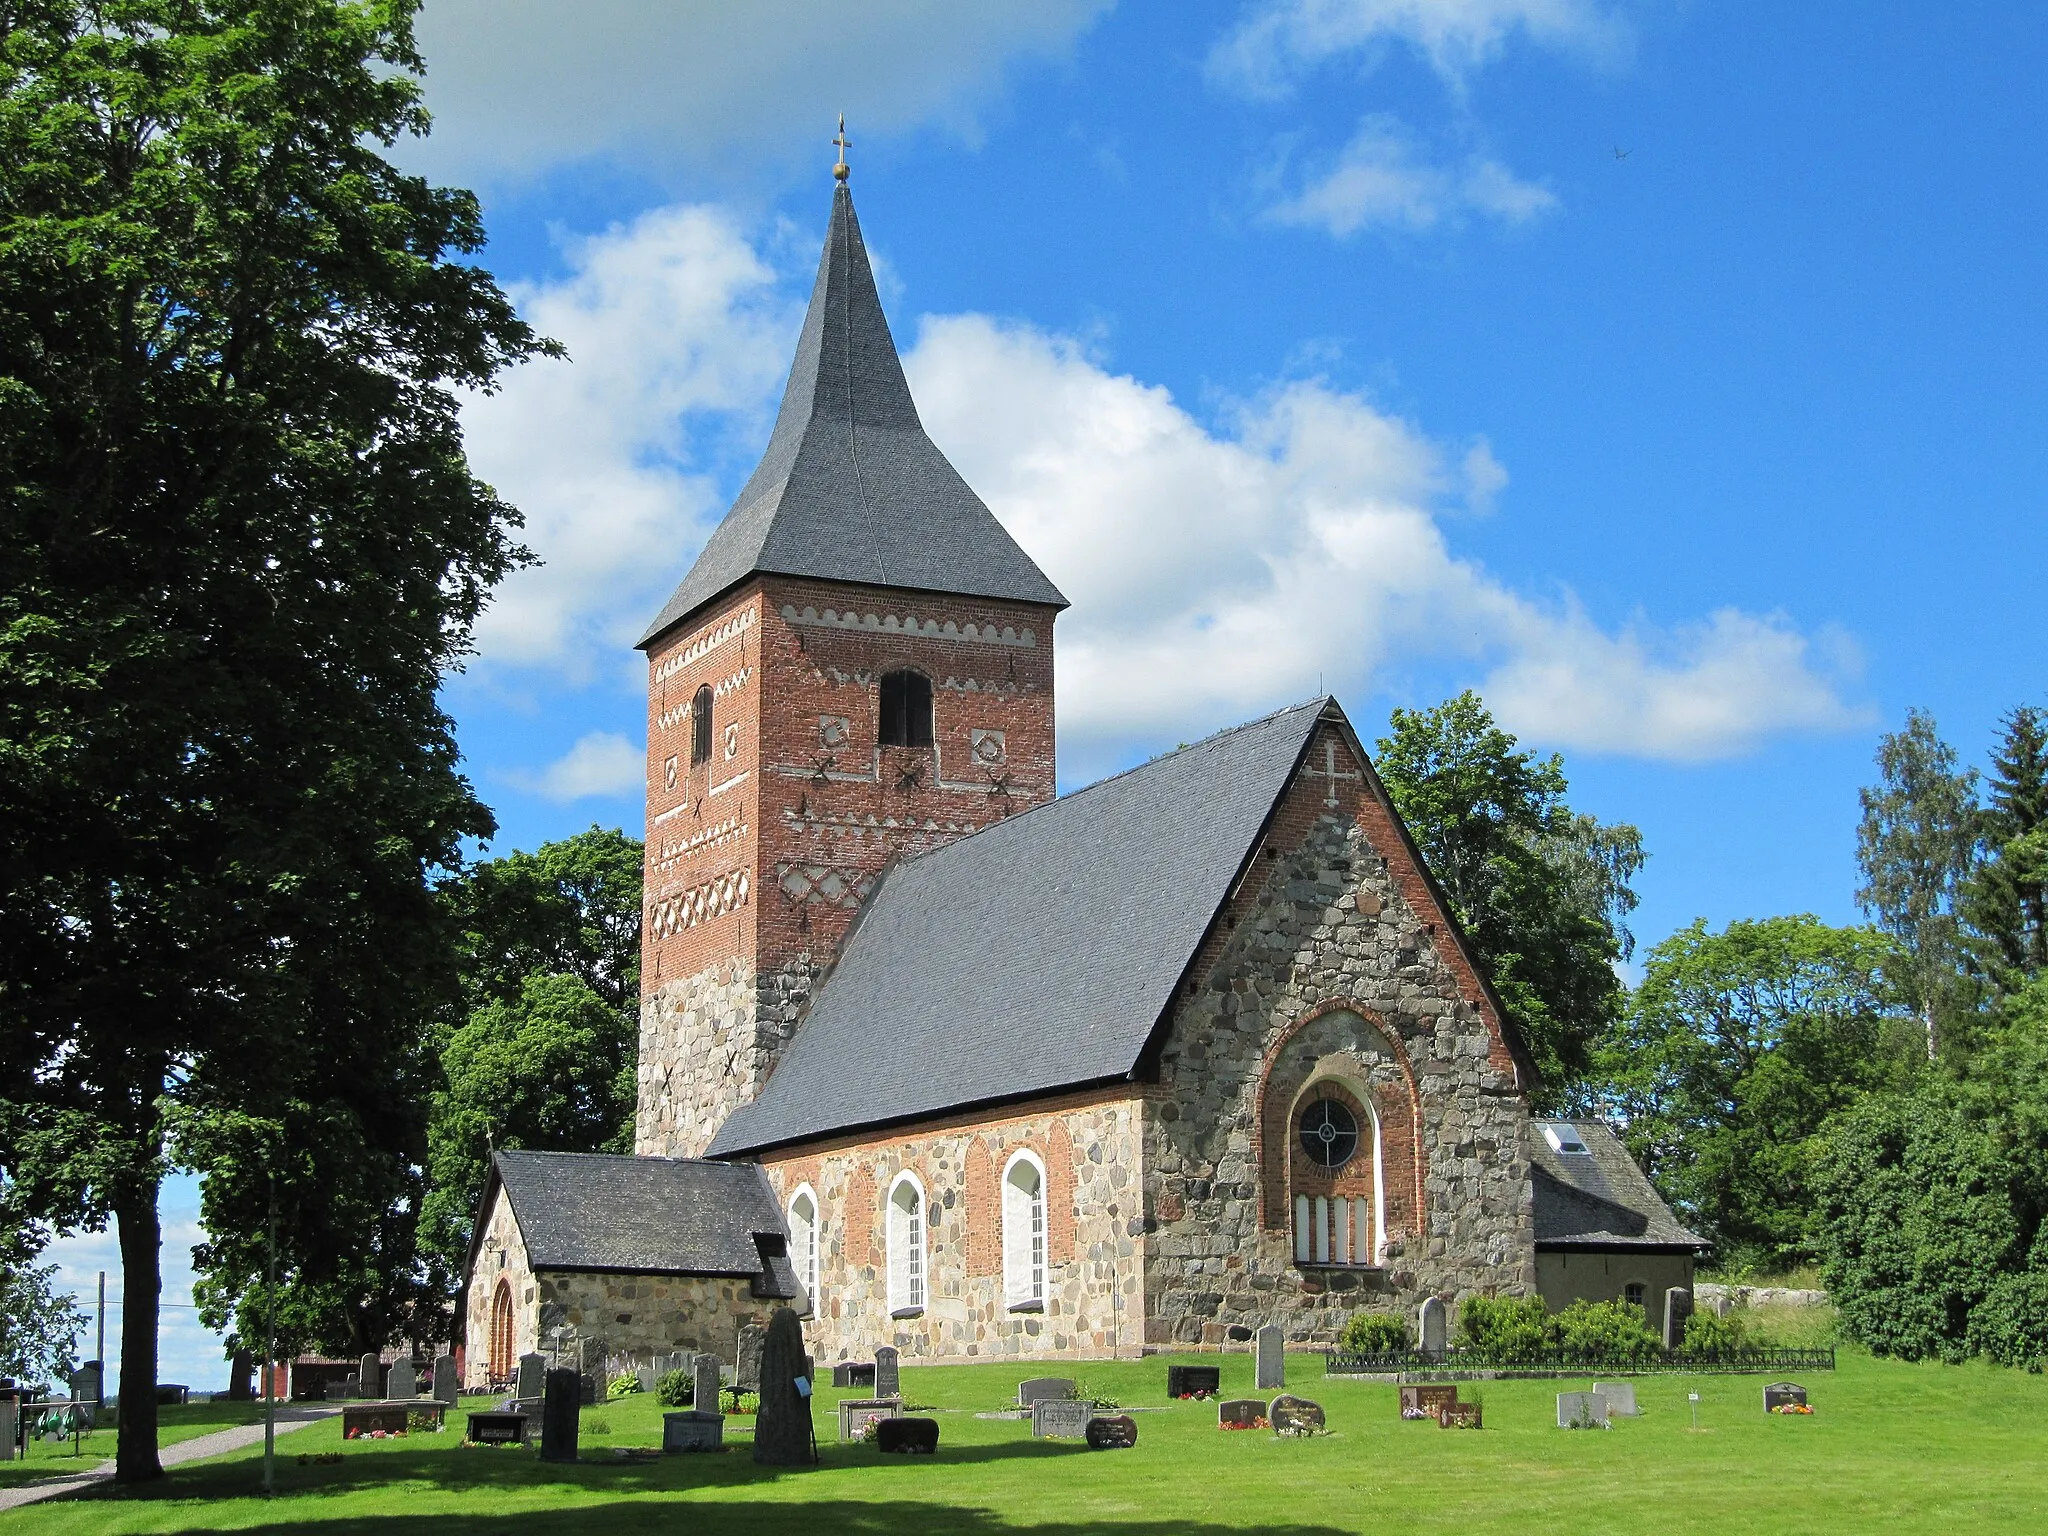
{"type": "Point", "coordinates": [858, 668]}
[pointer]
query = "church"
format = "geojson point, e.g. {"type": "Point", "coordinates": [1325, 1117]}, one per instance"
{"type": "Point", "coordinates": [951, 1063]}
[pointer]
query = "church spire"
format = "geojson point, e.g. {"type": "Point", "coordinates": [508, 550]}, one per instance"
{"type": "Point", "coordinates": [850, 487]}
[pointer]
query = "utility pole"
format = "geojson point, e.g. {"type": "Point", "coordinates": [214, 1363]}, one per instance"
{"type": "Point", "coordinates": [270, 1352]}
{"type": "Point", "coordinates": [100, 1389]}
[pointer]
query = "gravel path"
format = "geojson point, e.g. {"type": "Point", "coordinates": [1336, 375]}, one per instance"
{"type": "Point", "coordinates": [196, 1449]}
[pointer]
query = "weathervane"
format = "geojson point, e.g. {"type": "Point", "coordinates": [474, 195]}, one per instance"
{"type": "Point", "coordinates": [844, 143]}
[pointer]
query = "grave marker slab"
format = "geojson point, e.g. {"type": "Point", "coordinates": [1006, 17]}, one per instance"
{"type": "Point", "coordinates": [689, 1429]}
{"type": "Point", "coordinates": [1290, 1415]}
{"type": "Point", "coordinates": [561, 1414]}
{"type": "Point", "coordinates": [447, 1385]}
{"type": "Point", "coordinates": [1271, 1353]}
{"type": "Point", "coordinates": [1621, 1398]}
{"type": "Point", "coordinates": [854, 1373]}
{"type": "Point", "coordinates": [747, 1365]}
{"type": "Point", "coordinates": [856, 1413]}
{"type": "Point", "coordinates": [494, 1426]}
{"type": "Point", "coordinates": [1427, 1399]}
{"type": "Point", "coordinates": [888, 1379]}
{"type": "Point", "coordinates": [1581, 1410]}
{"type": "Point", "coordinates": [1784, 1394]}
{"type": "Point", "coordinates": [531, 1381]}
{"type": "Point", "coordinates": [1677, 1308]}
{"type": "Point", "coordinates": [1187, 1380]}
{"type": "Point", "coordinates": [912, 1437]}
{"type": "Point", "coordinates": [1117, 1432]}
{"type": "Point", "coordinates": [1060, 1418]}
{"type": "Point", "coordinates": [1240, 1413]}
{"type": "Point", "coordinates": [404, 1381]}
{"type": "Point", "coordinates": [704, 1396]}
{"type": "Point", "coordinates": [7, 1412]}
{"type": "Point", "coordinates": [369, 1378]}
{"type": "Point", "coordinates": [1039, 1388]}
{"type": "Point", "coordinates": [1432, 1329]}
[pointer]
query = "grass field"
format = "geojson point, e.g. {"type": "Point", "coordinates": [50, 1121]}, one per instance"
{"type": "Point", "coordinates": [180, 1421]}
{"type": "Point", "coordinates": [1890, 1447]}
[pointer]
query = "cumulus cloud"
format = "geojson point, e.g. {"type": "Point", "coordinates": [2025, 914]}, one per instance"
{"type": "Point", "coordinates": [518, 86]}
{"type": "Point", "coordinates": [1380, 179]}
{"type": "Point", "coordinates": [1217, 567]}
{"type": "Point", "coordinates": [601, 763]}
{"type": "Point", "coordinates": [1279, 40]}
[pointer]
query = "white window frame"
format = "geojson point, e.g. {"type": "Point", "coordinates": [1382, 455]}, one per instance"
{"type": "Point", "coordinates": [908, 1251]}
{"type": "Point", "coordinates": [1025, 1236]}
{"type": "Point", "coordinates": [805, 1256]}
{"type": "Point", "coordinates": [1317, 1222]}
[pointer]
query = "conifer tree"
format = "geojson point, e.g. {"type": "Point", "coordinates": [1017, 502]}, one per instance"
{"type": "Point", "coordinates": [2006, 903]}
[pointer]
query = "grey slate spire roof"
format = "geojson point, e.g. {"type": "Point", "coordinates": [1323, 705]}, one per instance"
{"type": "Point", "coordinates": [851, 488]}
{"type": "Point", "coordinates": [1045, 947]}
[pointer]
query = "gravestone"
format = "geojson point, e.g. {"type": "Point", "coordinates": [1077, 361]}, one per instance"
{"type": "Point", "coordinates": [704, 1396]}
{"type": "Point", "coordinates": [1039, 1388]}
{"type": "Point", "coordinates": [447, 1385]}
{"type": "Point", "coordinates": [746, 1373]}
{"type": "Point", "coordinates": [1060, 1418]}
{"type": "Point", "coordinates": [1188, 1380]}
{"type": "Point", "coordinates": [782, 1428]}
{"type": "Point", "coordinates": [689, 1429]}
{"type": "Point", "coordinates": [856, 1413]}
{"type": "Point", "coordinates": [337, 1391]}
{"type": "Point", "coordinates": [1780, 1394]}
{"type": "Point", "coordinates": [854, 1373]}
{"type": "Point", "coordinates": [1432, 1327]}
{"type": "Point", "coordinates": [405, 1381]}
{"type": "Point", "coordinates": [590, 1387]}
{"type": "Point", "coordinates": [1621, 1398]}
{"type": "Point", "coordinates": [1118, 1432]}
{"type": "Point", "coordinates": [561, 1414]}
{"type": "Point", "coordinates": [1291, 1415]}
{"type": "Point", "coordinates": [496, 1427]}
{"type": "Point", "coordinates": [908, 1437]}
{"type": "Point", "coordinates": [85, 1383]}
{"type": "Point", "coordinates": [888, 1379]}
{"type": "Point", "coordinates": [645, 1376]}
{"type": "Point", "coordinates": [7, 1411]}
{"type": "Point", "coordinates": [1240, 1413]}
{"type": "Point", "coordinates": [1271, 1354]}
{"type": "Point", "coordinates": [370, 1377]}
{"type": "Point", "coordinates": [532, 1378]}
{"type": "Point", "coordinates": [1677, 1308]}
{"type": "Point", "coordinates": [1427, 1399]}
{"type": "Point", "coordinates": [1581, 1410]}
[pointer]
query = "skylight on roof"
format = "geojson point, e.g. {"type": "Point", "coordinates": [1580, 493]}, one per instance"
{"type": "Point", "coordinates": [1566, 1138]}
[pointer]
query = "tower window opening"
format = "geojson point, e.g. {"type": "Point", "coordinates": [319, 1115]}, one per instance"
{"type": "Point", "coordinates": [906, 709]}
{"type": "Point", "coordinates": [700, 727]}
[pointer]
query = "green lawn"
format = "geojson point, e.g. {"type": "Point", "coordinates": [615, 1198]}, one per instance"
{"type": "Point", "coordinates": [1890, 1446]}
{"type": "Point", "coordinates": [179, 1421]}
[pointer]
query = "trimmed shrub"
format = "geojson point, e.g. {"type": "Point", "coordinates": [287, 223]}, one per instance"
{"type": "Point", "coordinates": [1709, 1336]}
{"type": "Point", "coordinates": [676, 1389]}
{"type": "Point", "coordinates": [1510, 1328]}
{"type": "Point", "coordinates": [1605, 1330]}
{"type": "Point", "coordinates": [1374, 1333]}
{"type": "Point", "coordinates": [622, 1386]}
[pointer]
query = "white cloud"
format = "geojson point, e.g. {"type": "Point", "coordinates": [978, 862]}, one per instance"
{"type": "Point", "coordinates": [518, 86]}
{"type": "Point", "coordinates": [601, 763]}
{"type": "Point", "coordinates": [1216, 569]}
{"type": "Point", "coordinates": [1281, 39]}
{"type": "Point", "coordinates": [677, 333]}
{"type": "Point", "coordinates": [1381, 180]}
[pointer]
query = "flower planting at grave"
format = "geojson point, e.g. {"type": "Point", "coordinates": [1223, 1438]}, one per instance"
{"type": "Point", "coordinates": [1799, 1408]}
{"type": "Point", "coordinates": [1257, 1421]}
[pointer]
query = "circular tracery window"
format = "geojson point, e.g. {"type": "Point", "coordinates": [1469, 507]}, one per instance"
{"type": "Point", "coordinates": [1329, 1133]}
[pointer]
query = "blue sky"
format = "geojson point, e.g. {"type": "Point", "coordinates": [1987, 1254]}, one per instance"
{"type": "Point", "coordinates": [1672, 373]}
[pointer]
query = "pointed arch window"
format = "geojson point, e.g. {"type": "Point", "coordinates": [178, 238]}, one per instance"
{"type": "Point", "coordinates": [1024, 1233]}
{"type": "Point", "coordinates": [803, 1244]}
{"type": "Point", "coordinates": [906, 709]}
{"type": "Point", "coordinates": [700, 727]}
{"type": "Point", "coordinates": [905, 1216]}
{"type": "Point", "coordinates": [502, 1360]}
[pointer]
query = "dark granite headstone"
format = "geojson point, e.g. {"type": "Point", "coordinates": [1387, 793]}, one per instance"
{"type": "Point", "coordinates": [747, 1364]}
{"type": "Point", "coordinates": [370, 1378]}
{"type": "Point", "coordinates": [1781, 1394]}
{"type": "Point", "coordinates": [913, 1437]}
{"type": "Point", "coordinates": [1291, 1415]}
{"type": "Point", "coordinates": [1240, 1412]}
{"type": "Point", "coordinates": [530, 1383]}
{"type": "Point", "coordinates": [589, 1388]}
{"type": "Point", "coordinates": [1187, 1380]}
{"type": "Point", "coordinates": [1117, 1433]}
{"type": "Point", "coordinates": [494, 1426]}
{"type": "Point", "coordinates": [404, 1380]}
{"type": "Point", "coordinates": [854, 1373]}
{"type": "Point", "coordinates": [782, 1429]}
{"type": "Point", "coordinates": [704, 1390]}
{"type": "Point", "coordinates": [447, 1385]}
{"type": "Point", "coordinates": [888, 1379]}
{"type": "Point", "coordinates": [561, 1414]}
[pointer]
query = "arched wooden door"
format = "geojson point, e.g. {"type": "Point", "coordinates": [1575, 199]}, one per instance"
{"type": "Point", "coordinates": [501, 1332]}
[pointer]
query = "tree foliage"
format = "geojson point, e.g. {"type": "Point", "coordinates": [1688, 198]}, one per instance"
{"type": "Point", "coordinates": [239, 547]}
{"type": "Point", "coordinates": [2006, 900]}
{"type": "Point", "coordinates": [39, 1325]}
{"type": "Point", "coordinates": [1543, 893]}
{"type": "Point", "coordinates": [1736, 1047]}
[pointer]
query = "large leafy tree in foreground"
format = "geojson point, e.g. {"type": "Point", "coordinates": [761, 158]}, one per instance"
{"type": "Point", "coordinates": [239, 546]}
{"type": "Point", "coordinates": [1542, 892]}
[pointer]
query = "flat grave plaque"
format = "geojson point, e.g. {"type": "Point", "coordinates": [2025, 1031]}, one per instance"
{"type": "Point", "coordinates": [1581, 1410]}
{"type": "Point", "coordinates": [1460, 1416]}
{"type": "Point", "coordinates": [358, 1419]}
{"type": "Point", "coordinates": [857, 1413]}
{"type": "Point", "coordinates": [1060, 1418]}
{"type": "Point", "coordinates": [494, 1426]}
{"type": "Point", "coordinates": [689, 1430]}
{"type": "Point", "coordinates": [1117, 1432]}
{"type": "Point", "coordinates": [1240, 1413]}
{"type": "Point", "coordinates": [1292, 1415]}
{"type": "Point", "coordinates": [1189, 1380]}
{"type": "Point", "coordinates": [1042, 1387]}
{"type": "Point", "coordinates": [907, 1437]}
{"type": "Point", "coordinates": [1425, 1399]}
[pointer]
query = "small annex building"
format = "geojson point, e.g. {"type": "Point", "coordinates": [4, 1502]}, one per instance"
{"type": "Point", "coordinates": [633, 1254]}
{"type": "Point", "coordinates": [1603, 1233]}
{"type": "Point", "coordinates": [1196, 1048]}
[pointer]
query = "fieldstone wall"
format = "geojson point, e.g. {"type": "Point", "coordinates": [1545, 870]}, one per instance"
{"type": "Point", "coordinates": [1331, 962]}
{"type": "Point", "coordinates": [647, 1314]}
{"type": "Point", "coordinates": [501, 1258]}
{"type": "Point", "coordinates": [1094, 1271]}
{"type": "Point", "coordinates": [707, 1044]}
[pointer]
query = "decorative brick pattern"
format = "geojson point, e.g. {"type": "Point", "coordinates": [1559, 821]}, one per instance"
{"type": "Point", "coordinates": [983, 1212]}
{"type": "Point", "coordinates": [1060, 1212]}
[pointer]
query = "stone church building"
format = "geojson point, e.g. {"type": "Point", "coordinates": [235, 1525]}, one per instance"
{"type": "Point", "coordinates": [977, 1071]}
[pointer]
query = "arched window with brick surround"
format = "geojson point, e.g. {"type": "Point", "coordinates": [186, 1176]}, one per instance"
{"type": "Point", "coordinates": [1024, 1233]}
{"type": "Point", "coordinates": [905, 1213]}
{"type": "Point", "coordinates": [502, 1359]}
{"type": "Point", "coordinates": [803, 1243]}
{"type": "Point", "coordinates": [906, 709]}
{"type": "Point", "coordinates": [1334, 1177]}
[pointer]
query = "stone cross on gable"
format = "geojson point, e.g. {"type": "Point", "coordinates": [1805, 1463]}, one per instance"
{"type": "Point", "coordinates": [1329, 771]}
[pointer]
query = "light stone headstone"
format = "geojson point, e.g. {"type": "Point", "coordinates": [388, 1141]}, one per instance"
{"type": "Point", "coordinates": [531, 1382]}
{"type": "Point", "coordinates": [689, 1430]}
{"type": "Point", "coordinates": [1432, 1330]}
{"type": "Point", "coordinates": [447, 1385]}
{"type": "Point", "coordinates": [1621, 1398]}
{"type": "Point", "coordinates": [645, 1377]}
{"type": "Point", "coordinates": [747, 1365]}
{"type": "Point", "coordinates": [888, 1378]}
{"type": "Point", "coordinates": [708, 1380]}
{"type": "Point", "coordinates": [1581, 1410]}
{"type": "Point", "coordinates": [1060, 1418]}
{"type": "Point", "coordinates": [1044, 1388]}
{"type": "Point", "coordinates": [369, 1377]}
{"type": "Point", "coordinates": [856, 1413]}
{"type": "Point", "coordinates": [1677, 1308]}
{"type": "Point", "coordinates": [1272, 1358]}
{"type": "Point", "coordinates": [405, 1381]}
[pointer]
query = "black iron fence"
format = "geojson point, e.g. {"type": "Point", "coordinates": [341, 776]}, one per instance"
{"type": "Point", "coordinates": [1418, 1364]}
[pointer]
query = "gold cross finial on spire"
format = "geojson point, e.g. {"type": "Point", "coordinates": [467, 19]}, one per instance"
{"type": "Point", "coordinates": [844, 143]}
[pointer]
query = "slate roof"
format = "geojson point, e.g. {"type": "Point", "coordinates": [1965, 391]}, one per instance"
{"type": "Point", "coordinates": [851, 488]}
{"type": "Point", "coordinates": [1598, 1198]}
{"type": "Point", "coordinates": [1048, 944]}
{"type": "Point", "coordinates": [648, 1215]}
